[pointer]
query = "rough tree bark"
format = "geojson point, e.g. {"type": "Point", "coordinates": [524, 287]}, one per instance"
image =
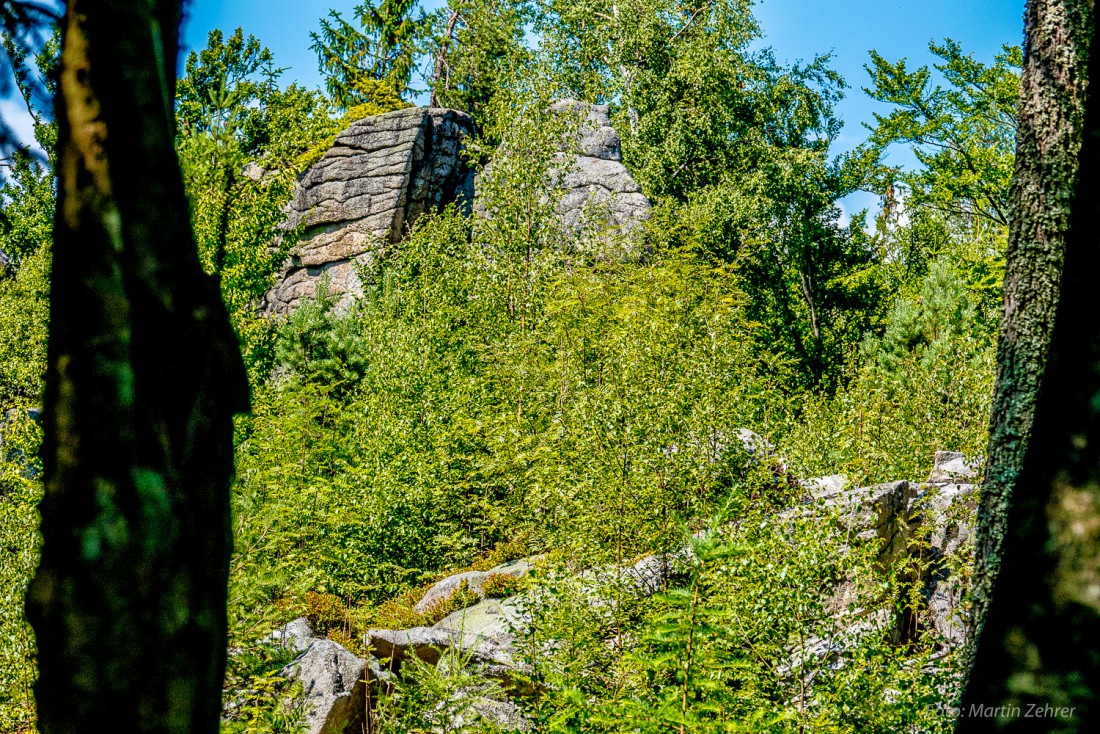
{"type": "Point", "coordinates": [1037, 584]}
{"type": "Point", "coordinates": [144, 375]}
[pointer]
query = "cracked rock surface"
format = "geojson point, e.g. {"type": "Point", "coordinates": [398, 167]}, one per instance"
{"type": "Point", "coordinates": [379, 176]}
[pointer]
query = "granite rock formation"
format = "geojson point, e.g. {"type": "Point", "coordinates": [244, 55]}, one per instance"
{"type": "Point", "coordinates": [379, 176]}
{"type": "Point", "coordinates": [930, 522]}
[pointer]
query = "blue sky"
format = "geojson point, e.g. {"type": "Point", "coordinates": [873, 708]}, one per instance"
{"type": "Point", "coordinates": [796, 29]}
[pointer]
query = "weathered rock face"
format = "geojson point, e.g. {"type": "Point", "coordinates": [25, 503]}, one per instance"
{"type": "Point", "coordinates": [295, 635]}
{"type": "Point", "coordinates": [951, 466]}
{"type": "Point", "coordinates": [596, 179]}
{"type": "Point", "coordinates": [931, 522]}
{"type": "Point", "coordinates": [380, 175]}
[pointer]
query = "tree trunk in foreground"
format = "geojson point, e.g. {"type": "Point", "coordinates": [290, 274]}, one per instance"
{"type": "Point", "coordinates": [1036, 658]}
{"type": "Point", "coordinates": [144, 375]}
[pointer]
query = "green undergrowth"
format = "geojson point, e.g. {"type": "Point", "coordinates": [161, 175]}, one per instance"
{"type": "Point", "coordinates": [455, 418]}
{"type": "Point", "coordinates": [718, 649]}
{"type": "Point", "coordinates": [259, 700]}
{"type": "Point", "coordinates": [20, 492]}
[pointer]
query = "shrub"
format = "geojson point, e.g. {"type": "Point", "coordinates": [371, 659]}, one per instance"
{"type": "Point", "coordinates": [500, 585]}
{"type": "Point", "coordinates": [461, 598]}
{"type": "Point", "coordinates": [24, 317]}
{"type": "Point", "coordinates": [20, 492]}
{"type": "Point", "coordinates": [325, 612]}
{"type": "Point", "coordinates": [395, 615]}
{"type": "Point", "coordinates": [257, 700]}
{"type": "Point", "coordinates": [925, 385]}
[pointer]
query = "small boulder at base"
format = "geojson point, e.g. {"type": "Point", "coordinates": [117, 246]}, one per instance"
{"type": "Point", "coordinates": [491, 620]}
{"type": "Point", "coordinates": [450, 585]}
{"type": "Point", "coordinates": [823, 487]}
{"type": "Point", "coordinates": [334, 688]}
{"type": "Point", "coordinates": [473, 580]}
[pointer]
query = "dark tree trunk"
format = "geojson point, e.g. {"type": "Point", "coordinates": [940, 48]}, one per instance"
{"type": "Point", "coordinates": [1037, 585]}
{"type": "Point", "coordinates": [144, 375]}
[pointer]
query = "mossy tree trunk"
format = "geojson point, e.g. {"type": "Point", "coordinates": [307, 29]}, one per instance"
{"type": "Point", "coordinates": [144, 375]}
{"type": "Point", "coordinates": [1037, 584]}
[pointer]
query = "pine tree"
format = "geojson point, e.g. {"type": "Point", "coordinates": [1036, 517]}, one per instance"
{"type": "Point", "coordinates": [369, 65]}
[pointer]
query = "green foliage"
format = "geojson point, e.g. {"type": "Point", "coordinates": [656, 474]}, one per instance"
{"type": "Point", "coordinates": [394, 615]}
{"type": "Point", "coordinates": [737, 644]}
{"type": "Point", "coordinates": [457, 600]}
{"type": "Point", "coordinates": [24, 316]}
{"type": "Point", "coordinates": [26, 217]}
{"type": "Point", "coordinates": [225, 86]}
{"type": "Point", "coordinates": [500, 585]}
{"type": "Point", "coordinates": [364, 67]}
{"type": "Point", "coordinates": [26, 227]}
{"type": "Point", "coordinates": [964, 135]}
{"type": "Point", "coordinates": [29, 49]}
{"type": "Point", "coordinates": [444, 697]}
{"type": "Point", "coordinates": [323, 348]}
{"type": "Point", "coordinates": [232, 114]}
{"type": "Point", "coordinates": [258, 700]}
{"type": "Point", "coordinates": [924, 385]}
{"type": "Point", "coordinates": [438, 418]}
{"type": "Point", "coordinates": [325, 612]}
{"type": "Point", "coordinates": [474, 47]}
{"type": "Point", "coordinates": [20, 492]}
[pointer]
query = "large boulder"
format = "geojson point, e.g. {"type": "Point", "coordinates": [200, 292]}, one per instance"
{"type": "Point", "coordinates": [379, 176]}
{"type": "Point", "coordinates": [878, 512]}
{"type": "Point", "coordinates": [334, 687]}
{"type": "Point", "coordinates": [385, 171]}
{"type": "Point", "coordinates": [492, 621]}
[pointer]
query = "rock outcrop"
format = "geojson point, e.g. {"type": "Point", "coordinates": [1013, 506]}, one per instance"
{"type": "Point", "coordinates": [931, 523]}
{"type": "Point", "coordinates": [379, 176]}
{"type": "Point", "coordinates": [595, 180]}
{"type": "Point", "coordinates": [385, 171]}
{"type": "Point", "coordinates": [333, 680]}
{"type": "Point", "coordinates": [294, 635]}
